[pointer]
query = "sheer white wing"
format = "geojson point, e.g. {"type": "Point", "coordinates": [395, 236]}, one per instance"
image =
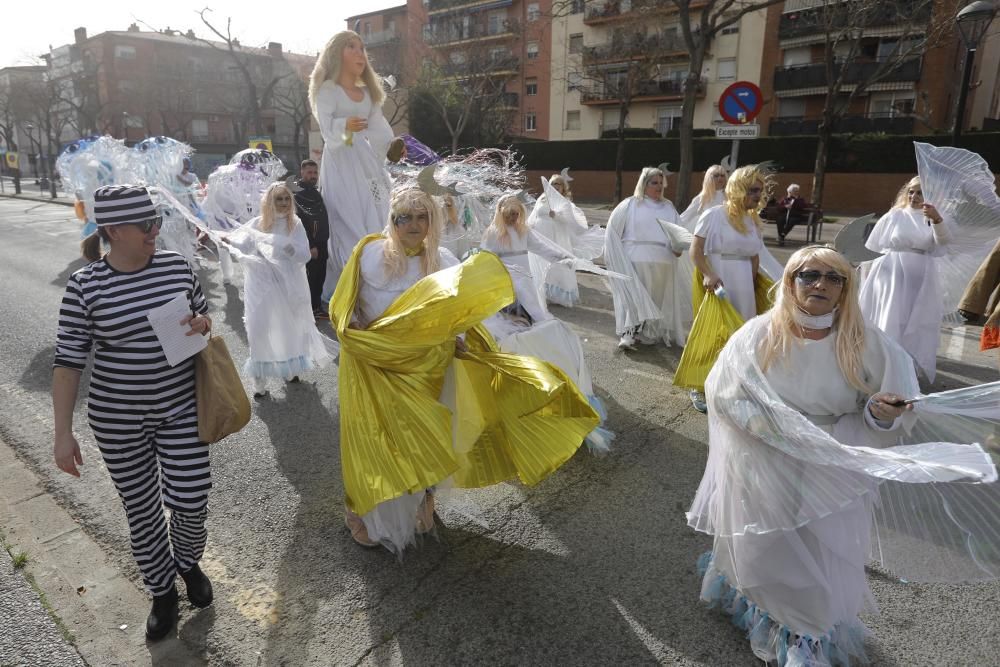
{"type": "Point", "coordinates": [960, 184]}
{"type": "Point", "coordinates": [850, 241]}
{"type": "Point", "coordinates": [680, 238]}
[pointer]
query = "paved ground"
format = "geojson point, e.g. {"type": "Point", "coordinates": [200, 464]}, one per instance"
{"type": "Point", "coordinates": [593, 566]}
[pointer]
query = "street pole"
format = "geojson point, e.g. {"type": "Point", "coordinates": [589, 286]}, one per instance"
{"type": "Point", "coordinates": [963, 94]}
{"type": "Point", "coordinates": [734, 153]}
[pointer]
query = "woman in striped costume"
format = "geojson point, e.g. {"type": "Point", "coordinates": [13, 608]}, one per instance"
{"type": "Point", "coordinates": [142, 410]}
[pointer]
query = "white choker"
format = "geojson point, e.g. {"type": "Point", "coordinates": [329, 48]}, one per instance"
{"type": "Point", "coordinates": [814, 322]}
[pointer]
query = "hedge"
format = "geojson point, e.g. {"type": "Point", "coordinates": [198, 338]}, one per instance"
{"type": "Point", "coordinates": [870, 153]}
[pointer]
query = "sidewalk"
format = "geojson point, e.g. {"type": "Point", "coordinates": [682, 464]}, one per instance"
{"type": "Point", "coordinates": [31, 191]}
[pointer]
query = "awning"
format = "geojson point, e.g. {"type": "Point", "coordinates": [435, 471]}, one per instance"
{"type": "Point", "coordinates": [469, 7]}
{"type": "Point", "coordinates": [846, 88]}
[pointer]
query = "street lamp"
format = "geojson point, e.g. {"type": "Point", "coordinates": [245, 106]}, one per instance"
{"type": "Point", "coordinates": [972, 21]}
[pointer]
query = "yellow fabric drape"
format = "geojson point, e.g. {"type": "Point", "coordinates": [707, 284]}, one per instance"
{"type": "Point", "coordinates": [516, 416]}
{"type": "Point", "coordinates": [715, 320]}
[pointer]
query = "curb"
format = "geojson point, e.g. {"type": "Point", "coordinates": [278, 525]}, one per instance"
{"type": "Point", "coordinates": [40, 200]}
{"type": "Point", "coordinates": [91, 598]}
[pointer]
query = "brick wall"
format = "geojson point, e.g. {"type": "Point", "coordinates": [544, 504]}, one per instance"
{"type": "Point", "coordinates": [847, 194]}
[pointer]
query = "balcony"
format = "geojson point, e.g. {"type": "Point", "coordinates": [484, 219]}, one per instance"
{"type": "Point", "coordinates": [813, 21]}
{"type": "Point", "coordinates": [647, 91]}
{"type": "Point", "coordinates": [442, 6]}
{"type": "Point", "coordinates": [378, 38]}
{"type": "Point", "coordinates": [867, 123]}
{"type": "Point", "coordinates": [612, 11]}
{"type": "Point", "coordinates": [642, 46]}
{"type": "Point", "coordinates": [455, 33]}
{"type": "Point", "coordinates": [509, 101]}
{"type": "Point", "coordinates": [486, 67]}
{"type": "Point", "coordinates": [813, 75]}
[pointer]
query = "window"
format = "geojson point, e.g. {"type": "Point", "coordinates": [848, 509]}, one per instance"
{"type": "Point", "coordinates": [574, 81]}
{"type": "Point", "coordinates": [572, 120]}
{"type": "Point", "coordinates": [368, 29]}
{"type": "Point", "coordinates": [532, 50]}
{"type": "Point", "coordinates": [199, 129]}
{"type": "Point", "coordinates": [531, 87]}
{"type": "Point", "coordinates": [730, 29]}
{"type": "Point", "coordinates": [496, 22]}
{"type": "Point", "coordinates": [667, 118]}
{"type": "Point", "coordinates": [577, 6]}
{"type": "Point", "coordinates": [457, 57]}
{"type": "Point", "coordinates": [609, 119]}
{"type": "Point", "coordinates": [533, 12]}
{"type": "Point", "coordinates": [791, 107]}
{"type": "Point", "coordinates": [530, 122]}
{"type": "Point", "coordinates": [891, 105]}
{"type": "Point", "coordinates": [576, 43]}
{"type": "Point", "coordinates": [499, 55]}
{"type": "Point", "coordinates": [798, 56]}
{"type": "Point", "coordinates": [717, 118]}
{"type": "Point", "coordinates": [125, 52]}
{"type": "Point", "coordinates": [727, 69]}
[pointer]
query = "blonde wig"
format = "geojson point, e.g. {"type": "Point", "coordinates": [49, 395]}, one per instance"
{"type": "Point", "coordinates": [902, 197]}
{"type": "Point", "coordinates": [849, 325]}
{"type": "Point", "coordinates": [500, 228]}
{"type": "Point", "coordinates": [737, 188]}
{"type": "Point", "coordinates": [267, 212]}
{"type": "Point", "coordinates": [645, 177]}
{"type": "Point", "coordinates": [411, 201]}
{"type": "Point", "coordinates": [708, 188]}
{"type": "Point", "coordinates": [557, 178]}
{"type": "Point", "coordinates": [327, 68]}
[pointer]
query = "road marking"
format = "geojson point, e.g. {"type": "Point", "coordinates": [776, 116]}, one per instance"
{"type": "Point", "coordinates": [956, 345]}
{"type": "Point", "coordinates": [646, 374]}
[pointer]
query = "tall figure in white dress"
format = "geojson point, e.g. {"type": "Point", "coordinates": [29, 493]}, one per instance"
{"type": "Point", "coordinates": [655, 305]}
{"type": "Point", "coordinates": [558, 219]}
{"type": "Point", "coordinates": [281, 330]}
{"type": "Point", "coordinates": [902, 294]}
{"type": "Point", "coordinates": [346, 97]}
{"type": "Point", "coordinates": [712, 193]}
{"type": "Point", "coordinates": [806, 407]}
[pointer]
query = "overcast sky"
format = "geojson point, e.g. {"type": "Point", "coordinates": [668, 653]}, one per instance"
{"type": "Point", "coordinates": [30, 29]}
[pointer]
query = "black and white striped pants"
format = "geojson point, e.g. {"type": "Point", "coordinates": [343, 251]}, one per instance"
{"type": "Point", "coordinates": [157, 464]}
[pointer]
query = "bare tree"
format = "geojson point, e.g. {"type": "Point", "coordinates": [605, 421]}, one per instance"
{"type": "Point", "coordinates": [854, 62]}
{"type": "Point", "coordinates": [291, 98]}
{"type": "Point", "coordinates": [44, 109]}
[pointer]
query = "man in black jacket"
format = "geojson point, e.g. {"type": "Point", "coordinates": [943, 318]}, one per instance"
{"type": "Point", "coordinates": [312, 212]}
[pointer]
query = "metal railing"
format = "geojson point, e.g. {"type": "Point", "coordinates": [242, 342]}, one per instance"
{"type": "Point", "coordinates": [839, 16]}
{"type": "Point", "coordinates": [886, 123]}
{"type": "Point", "coordinates": [814, 74]}
{"type": "Point", "coordinates": [610, 91]}
{"type": "Point", "coordinates": [641, 45]}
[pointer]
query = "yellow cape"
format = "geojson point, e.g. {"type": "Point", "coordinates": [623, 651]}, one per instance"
{"type": "Point", "coordinates": [516, 416]}
{"type": "Point", "coordinates": [715, 320]}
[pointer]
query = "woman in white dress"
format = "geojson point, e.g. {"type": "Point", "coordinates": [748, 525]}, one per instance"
{"type": "Point", "coordinates": [902, 294]}
{"type": "Point", "coordinates": [803, 398]}
{"type": "Point", "coordinates": [712, 194]}
{"type": "Point", "coordinates": [527, 327]}
{"type": "Point", "coordinates": [728, 247]}
{"type": "Point", "coordinates": [655, 304]}
{"type": "Point", "coordinates": [281, 330]}
{"type": "Point", "coordinates": [346, 98]}
{"type": "Point", "coordinates": [558, 219]}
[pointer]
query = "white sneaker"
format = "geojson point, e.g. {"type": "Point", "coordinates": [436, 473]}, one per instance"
{"type": "Point", "coordinates": [698, 401]}
{"type": "Point", "coordinates": [627, 342]}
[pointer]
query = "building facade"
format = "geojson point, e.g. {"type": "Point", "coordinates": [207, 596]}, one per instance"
{"type": "Point", "coordinates": [18, 127]}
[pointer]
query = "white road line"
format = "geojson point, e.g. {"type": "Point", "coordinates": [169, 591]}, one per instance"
{"type": "Point", "coordinates": [956, 345]}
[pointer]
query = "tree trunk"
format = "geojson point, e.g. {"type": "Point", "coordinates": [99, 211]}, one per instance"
{"type": "Point", "coordinates": [683, 188]}
{"type": "Point", "coordinates": [822, 151]}
{"type": "Point", "coordinates": [620, 153]}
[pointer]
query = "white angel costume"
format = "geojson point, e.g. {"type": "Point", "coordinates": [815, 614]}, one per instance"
{"type": "Point", "coordinates": [561, 221]}
{"type": "Point", "coordinates": [798, 472]}
{"type": "Point", "coordinates": [731, 256]}
{"type": "Point", "coordinates": [689, 218]}
{"type": "Point", "coordinates": [352, 175]}
{"type": "Point", "coordinates": [657, 299]}
{"type": "Point", "coordinates": [902, 294]}
{"type": "Point", "coordinates": [465, 232]}
{"type": "Point", "coordinates": [281, 329]}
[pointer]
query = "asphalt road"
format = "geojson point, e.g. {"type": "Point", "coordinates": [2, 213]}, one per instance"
{"type": "Point", "coordinates": [593, 566]}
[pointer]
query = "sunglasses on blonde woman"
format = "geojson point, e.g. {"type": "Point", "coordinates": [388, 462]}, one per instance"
{"type": "Point", "coordinates": [810, 278]}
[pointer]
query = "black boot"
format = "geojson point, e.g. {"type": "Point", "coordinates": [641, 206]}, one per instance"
{"type": "Point", "coordinates": [199, 588]}
{"type": "Point", "coordinates": [162, 616]}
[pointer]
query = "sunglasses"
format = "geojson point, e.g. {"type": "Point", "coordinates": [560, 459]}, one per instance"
{"type": "Point", "coordinates": [146, 226]}
{"type": "Point", "coordinates": [405, 218]}
{"type": "Point", "coordinates": [810, 278]}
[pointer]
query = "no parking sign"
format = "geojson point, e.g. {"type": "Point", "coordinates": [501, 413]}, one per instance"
{"type": "Point", "coordinates": [740, 103]}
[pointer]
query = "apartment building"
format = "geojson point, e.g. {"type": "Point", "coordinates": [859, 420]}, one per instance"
{"type": "Point", "coordinates": [594, 44]}
{"type": "Point", "coordinates": [917, 96]}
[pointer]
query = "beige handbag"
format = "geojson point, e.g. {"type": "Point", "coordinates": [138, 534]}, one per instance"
{"type": "Point", "coordinates": [223, 406]}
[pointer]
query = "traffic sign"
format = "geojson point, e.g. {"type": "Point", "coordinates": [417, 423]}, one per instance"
{"type": "Point", "coordinates": [737, 131]}
{"type": "Point", "coordinates": [740, 103]}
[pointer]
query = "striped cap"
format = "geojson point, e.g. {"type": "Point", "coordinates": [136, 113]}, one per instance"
{"type": "Point", "coordinates": [122, 204]}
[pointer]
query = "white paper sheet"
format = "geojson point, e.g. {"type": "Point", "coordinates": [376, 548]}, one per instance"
{"type": "Point", "coordinates": [176, 344]}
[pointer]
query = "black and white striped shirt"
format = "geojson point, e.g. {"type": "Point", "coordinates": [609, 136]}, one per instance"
{"type": "Point", "coordinates": [105, 309]}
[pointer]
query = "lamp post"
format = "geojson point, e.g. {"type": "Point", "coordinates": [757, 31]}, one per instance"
{"type": "Point", "coordinates": [973, 21]}
{"type": "Point", "coordinates": [28, 127]}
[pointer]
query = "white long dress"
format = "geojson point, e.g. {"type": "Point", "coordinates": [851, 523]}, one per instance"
{"type": "Point", "coordinates": [689, 218]}
{"type": "Point", "coordinates": [730, 254]}
{"type": "Point", "coordinates": [394, 522]}
{"type": "Point", "coordinates": [901, 294]}
{"type": "Point", "coordinates": [281, 329]}
{"type": "Point", "coordinates": [562, 222]}
{"type": "Point", "coordinates": [465, 233]}
{"type": "Point", "coordinates": [352, 176]}
{"type": "Point", "coordinates": [658, 298]}
{"type": "Point", "coordinates": [798, 471]}
{"type": "Point", "coordinates": [528, 288]}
